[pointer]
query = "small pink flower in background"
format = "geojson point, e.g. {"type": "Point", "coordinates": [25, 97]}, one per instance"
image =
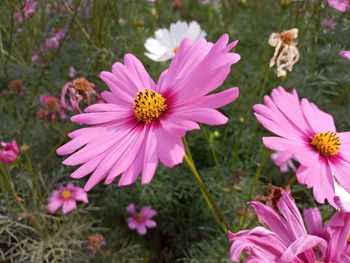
{"type": "Point", "coordinates": [18, 17]}
{"type": "Point", "coordinates": [329, 24]}
{"type": "Point", "coordinates": [79, 90]}
{"type": "Point", "coordinates": [66, 197]}
{"type": "Point", "coordinates": [29, 8]}
{"type": "Point", "coordinates": [72, 73]}
{"type": "Point", "coordinates": [52, 106]}
{"type": "Point", "coordinates": [309, 135]}
{"type": "Point", "coordinates": [95, 243]}
{"type": "Point", "coordinates": [340, 5]}
{"type": "Point", "coordinates": [35, 56]}
{"type": "Point", "coordinates": [60, 33]}
{"type": "Point", "coordinates": [8, 152]}
{"type": "Point", "coordinates": [151, 0]}
{"type": "Point", "coordinates": [288, 240]}
{"type": "Point", "coordinates": [53, 43]}
{"type": "Point", "coordinates": [345, 54]}
{"type": "Point", "coordinates": [143, 122]}
{"type": "Point", "coordinates": [285, 166]}
{"type": "Point", "coordinates": [141, 220]}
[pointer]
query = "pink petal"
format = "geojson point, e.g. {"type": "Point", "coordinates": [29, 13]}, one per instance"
{"type": "Point", "coordinates": [150, 223]}
{"type": "Point", "coordinates": [150, 161]}
{"type": "Point", "coordinates": [54, 204]}
{"type": "Point", "coordinates": [131, 209]}
{"type": "Point", "coordinates": [318, 120]}
{"type": "Point", "coordinates": [68, 206]}
{"type": "Point", "coordinates": [141, 229]}
{"type": "Point", "coordinates": [302, 244]}
{"type": "Point", "coordinates": [170, 149]}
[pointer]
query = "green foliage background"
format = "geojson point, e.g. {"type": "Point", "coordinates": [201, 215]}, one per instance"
{"type": "Point", "coordinates": [234, 165]}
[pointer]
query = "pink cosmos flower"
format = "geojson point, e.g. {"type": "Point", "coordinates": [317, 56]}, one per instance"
{"type": "Point", "coordinates": [79, 90]}
{"type": "Point", "coordinates": [29, 8]}
{"type": "Point", "coordinates": [66, 197]}
{"type": "Point", "coordinates": [309, 135]}
{"type": "Point", "coordinates": [52, 106]}
{"type": "Point", "coordinates": [345, 54]}
{"type": "Point", "coordinates": [288, 241]}
{"type": "Point", "coordinates": [141, 220]}
{"type": "Point", "coordinates": [285, 166]}
{"type": "Point", "coordinates": [340, 5]}
{"type": "Point", "coordinates": [9, 152]}
{"type": "Point", "coordinates": [329, 24]}
{"type": "Point", "coordinates": [143, 122]}
{"type": "Point", "coordinates": [53, 43]}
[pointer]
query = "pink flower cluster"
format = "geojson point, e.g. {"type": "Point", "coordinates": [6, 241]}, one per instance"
{"type": "Point", "coordinates": [288, 240]}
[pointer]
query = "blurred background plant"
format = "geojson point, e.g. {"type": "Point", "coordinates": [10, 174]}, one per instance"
{"type": "Point", "coordinates": [45, 45]}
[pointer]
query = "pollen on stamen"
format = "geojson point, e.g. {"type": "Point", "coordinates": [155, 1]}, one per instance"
{"type": "Point", "coordinates": [326, 143]}
{"type": "Point", "coordinates": [175, 49]}
{"type": "Point", "coordinates": [149, 105]}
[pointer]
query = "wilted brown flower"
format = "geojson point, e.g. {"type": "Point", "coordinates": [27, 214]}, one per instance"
{"type": "Point", "coordinates": [273, 195]}
{"type": "Point", "coordinates": [286, 53]}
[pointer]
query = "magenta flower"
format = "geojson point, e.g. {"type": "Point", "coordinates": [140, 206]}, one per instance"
{"type": "Point", "coordinates": [143, 122]}
{"type": "Point", "coordinates": [9, 152]}
{"type": "Point", "coordinates": [345, 54]}
{"type": "Point", "coordinates": [79, 90]}
{"type": "Point", "coordinates": [340, 5]}
{"type": "Point", "coordinates": [66, 197]}
{"type": "Point", "coordinates": [52, 106]}
{"type": "Point", "coordinates": [287, 240]}
{"type": "Point", "coordinates": [309, 135]}
{"type": "Point", "coordinates": [141, 220]}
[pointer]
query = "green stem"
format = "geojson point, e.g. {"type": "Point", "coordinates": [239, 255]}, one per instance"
{"type": "Point", "coordinates": [11, 187]}
{"type": "Point", "coordinates": [215, 210]}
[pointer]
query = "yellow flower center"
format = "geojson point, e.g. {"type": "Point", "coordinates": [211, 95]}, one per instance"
{"type": "Point", "coordinates": [149, 105]}
{"type": "Point", "coordinates": [175, 49]}
{"type": "Point", "coordinates": [326, 143]}
{"type": "Point", "coordinates": [65, 194]}
{"type": "Point", "coordinates": [81, 84]}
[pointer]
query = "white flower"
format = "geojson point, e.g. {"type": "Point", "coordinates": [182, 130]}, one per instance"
{"type": "Point", "coordinates": [166, 42]}
{"type": "Point", "coordinates": [342, 197]}
{"type": "Point", "coordinates": [286, 53]}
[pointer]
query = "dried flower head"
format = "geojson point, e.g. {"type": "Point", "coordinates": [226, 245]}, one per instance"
{"type": "Point", "coordinates": [286, 53]}
{"type": "Point", "coordinates": [274, 194]}
{"type": "Point", "coordinates": [94, 243]}
{"type": "Point", "coordinates": [52, 106]}
{"type": "Point", "coordinates": [80, 90]}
